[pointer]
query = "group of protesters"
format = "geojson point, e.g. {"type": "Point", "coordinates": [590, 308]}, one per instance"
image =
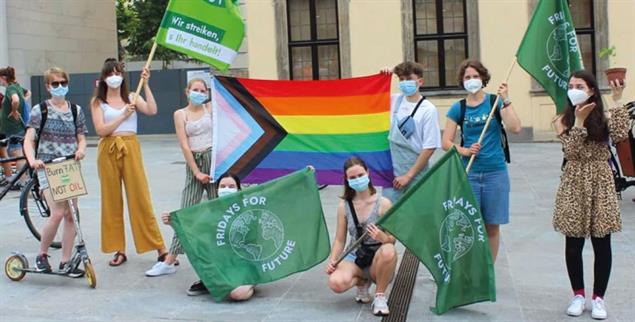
{"type": "Point", "coordinates": [586, 205]}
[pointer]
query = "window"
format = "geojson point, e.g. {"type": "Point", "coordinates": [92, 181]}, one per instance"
{"type": "Point", "coordinates": [314, 51]}
{"type": "Point", "coordinates": [583, 20]}
{"type": "Point", "coordinates": [441, 40]}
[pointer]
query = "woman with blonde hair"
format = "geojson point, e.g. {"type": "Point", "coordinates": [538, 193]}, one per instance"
{"type": "Point", "coordinates": [56, 129]}
{"type": "Point", "coordinates": [193, 125]}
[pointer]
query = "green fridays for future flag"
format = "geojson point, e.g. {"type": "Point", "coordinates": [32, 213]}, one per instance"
{"type": "Point", "coordinates": [439, 221]}
{"type": "Point", "coordinates": [207, 30]}
{"type": "Point", "coordinates": [257, 235]}
{"type": "Point", "coordinates": [549, 51]}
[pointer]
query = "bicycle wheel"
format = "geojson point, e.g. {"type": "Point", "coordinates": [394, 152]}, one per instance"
{"type": "Point", "coordinates": [35, 211]}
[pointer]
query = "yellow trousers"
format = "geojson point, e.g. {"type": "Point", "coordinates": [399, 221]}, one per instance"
{"type": "Point", "coordinates": [119, 159]}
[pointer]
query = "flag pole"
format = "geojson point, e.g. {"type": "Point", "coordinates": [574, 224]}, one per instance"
{"type": "Point", "coordinates": [350, 248]}
{"type": "Point", "coordinates": [489, 118]}
{"type": "Point", "coordinates": [147, 65]}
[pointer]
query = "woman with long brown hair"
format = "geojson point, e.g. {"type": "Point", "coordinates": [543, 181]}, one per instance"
{"type": "Point", "coordinates": [586, 202]}
{"type": "Point", "coordinates": [374, 260]}
{"type": "Point", "coordinates": [114, 112]}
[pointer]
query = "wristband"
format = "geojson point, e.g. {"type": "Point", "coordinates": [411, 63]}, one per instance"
{"type": "Point", "coordinates": [506, 103]}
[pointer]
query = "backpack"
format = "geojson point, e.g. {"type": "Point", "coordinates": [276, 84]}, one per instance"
{"type": "Point", "coordinates": [504, 141]}
{"type": "Point", "coordinates": [44, 111]}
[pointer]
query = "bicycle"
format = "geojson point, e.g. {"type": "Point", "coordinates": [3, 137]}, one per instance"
{"type": "Point", "coordinates": [33, 207]}
{"type": "Point", "coordinates": [623, 156]}
{"type": "Point", "coordinates": [16, 266]}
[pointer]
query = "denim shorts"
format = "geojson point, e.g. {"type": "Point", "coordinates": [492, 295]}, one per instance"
{"type": "Point", "coordinates": [491, 190]}
{"type": "Point", "coordinates": [351, 257]}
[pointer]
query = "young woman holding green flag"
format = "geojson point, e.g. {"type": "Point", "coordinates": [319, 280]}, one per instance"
{"type": "Point", "coordinates": [375, 259]}
{"type": "Point", "coordinates": [488, 177]}
{"type": "Point", "coordinates": [227, 184]}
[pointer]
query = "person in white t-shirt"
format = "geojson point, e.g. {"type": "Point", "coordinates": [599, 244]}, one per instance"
{"type": "Point", "coordinates": [414, 129]}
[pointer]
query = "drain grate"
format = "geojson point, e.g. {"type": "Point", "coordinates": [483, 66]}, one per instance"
{"type": "Point", "coordinates": [402, 289]}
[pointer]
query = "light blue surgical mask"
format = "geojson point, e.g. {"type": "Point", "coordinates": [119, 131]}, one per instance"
{"type": "Point", "coordinates": [197, 98]}
{"type": "Point", "coordinates": [473, 85]}
{"type": "Point", "coordinates": [226, 191]}
{"type": "Point", "coordinates": [408, 87]}
{"type": "Point", "coordinates": [359, 184]}
{"type": "Point", "coordinates": [59, 91]}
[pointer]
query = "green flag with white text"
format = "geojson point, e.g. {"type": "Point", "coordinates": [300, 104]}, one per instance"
{"type": "Point", "coordinates": [258, 235]}
{"type": "Point", "coordinates": [439, 221]}
{"type": "Point", "coordinates": [549, 51]}
{"type": "Point", "coordinates": [208, 30]}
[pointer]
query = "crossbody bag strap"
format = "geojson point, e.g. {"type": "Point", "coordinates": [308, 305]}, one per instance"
{"type": "Point", "coordinates": [354, 215]}
{"type": "Point", "coordinates": [417, 107]}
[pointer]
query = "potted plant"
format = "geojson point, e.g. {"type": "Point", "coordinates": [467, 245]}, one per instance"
{"type": "Point", "coordinates": [612, 74]}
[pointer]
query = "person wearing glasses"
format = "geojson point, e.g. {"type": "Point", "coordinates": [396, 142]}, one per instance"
{"type": "Point", "coordinates": [56, 129]}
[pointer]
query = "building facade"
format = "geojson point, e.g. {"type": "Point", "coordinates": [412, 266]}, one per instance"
{"type": "Point", "coordinates": [74, 34]}
{"type": "Point", "coordinates": [326, 39]}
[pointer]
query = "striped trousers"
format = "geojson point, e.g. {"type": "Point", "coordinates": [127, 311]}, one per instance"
{"type": "Point", "coordinates": [194, 189]}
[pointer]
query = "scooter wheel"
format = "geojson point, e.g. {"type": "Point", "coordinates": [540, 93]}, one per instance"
{"type": "Point", "coordinates": [14, 267]}
{"type": "Point", "coordinates": [90, 274]}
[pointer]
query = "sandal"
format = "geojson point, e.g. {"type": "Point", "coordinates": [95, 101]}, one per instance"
{"type": "Point", "coordinates": [115, 261]}
{"type": "Point", "coordinates": [162, 257]}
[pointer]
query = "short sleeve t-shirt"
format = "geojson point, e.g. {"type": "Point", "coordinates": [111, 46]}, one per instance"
{"type": "Point", "coordinates": [9, 125]}
{"type": "Point", "coordinates": [427, 134]}
{"type": "Point", "coordinates": [59, 136]}
{"type": "Point", "coordinates": [491, 157]}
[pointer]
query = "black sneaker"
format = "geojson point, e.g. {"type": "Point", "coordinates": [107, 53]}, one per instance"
{"type": "Point", "coordinates": [75, 273]}
{"type": "Point", "coordinates": [42, 263]}
{"type": "Point", "coordinates": [198, 288]}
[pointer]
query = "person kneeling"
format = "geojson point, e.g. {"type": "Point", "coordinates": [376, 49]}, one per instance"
{"type": "Point", "coordinates": [376, 258]}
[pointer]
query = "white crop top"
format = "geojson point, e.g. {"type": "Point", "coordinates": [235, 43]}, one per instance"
{"type": "Point", "coordinates": [110, 114]}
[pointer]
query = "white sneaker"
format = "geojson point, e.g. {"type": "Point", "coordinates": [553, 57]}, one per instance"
{"type": "Point", "coordinates": [576, 307]}
{"type": "Point", "coordinates": [380, 305]}
{"type": "Point", "coordinates": [161, 268]}
{"type": "Point", "coordinates": [599, 310]}
{"type": "Point", "coordinates": [362, 293]}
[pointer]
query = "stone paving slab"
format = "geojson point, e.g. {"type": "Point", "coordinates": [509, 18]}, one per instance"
{"type": "Point", "coordinates": [532, 283]}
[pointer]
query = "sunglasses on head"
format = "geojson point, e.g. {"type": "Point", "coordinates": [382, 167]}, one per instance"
{"type": "Point", "coordinates": [57, 84]}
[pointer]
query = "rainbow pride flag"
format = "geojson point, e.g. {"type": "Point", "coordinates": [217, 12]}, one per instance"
{"type": "Point", "coordinates": [287, 125]}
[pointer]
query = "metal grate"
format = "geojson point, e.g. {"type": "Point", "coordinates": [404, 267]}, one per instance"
{"type": "Point", "coordinates": [402, 289]}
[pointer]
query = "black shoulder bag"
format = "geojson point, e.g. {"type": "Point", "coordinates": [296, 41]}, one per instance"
{"type": "Point", "coordinates": [365, 252]}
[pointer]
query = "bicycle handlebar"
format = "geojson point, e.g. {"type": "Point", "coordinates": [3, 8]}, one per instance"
{"type": "Point", "coordinates": [60, 159]}
{"type": "Point", "coordinates": [12, 140]}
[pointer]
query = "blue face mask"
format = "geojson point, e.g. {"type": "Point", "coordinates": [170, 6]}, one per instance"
{"type": "Point", "coordinates": [226, 191]}
{"type": "Point", "coordinates": [359, 184]}
{"type": "Point", "coordinates": [408, 87]}
{"type": "Point", "coordinates": [59, 91]}
{"type": "Point", "coordinates": [197, 98]}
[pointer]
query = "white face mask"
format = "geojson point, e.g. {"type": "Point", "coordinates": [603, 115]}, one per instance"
{"type": "Point", "coordinates": [114, 81]}
{"type": "Point", "coordinates": [473, 85]}
{"type": "Point", "coordinates": [577, 96]}
{"type": "Point", "coordinates": [226, 191]}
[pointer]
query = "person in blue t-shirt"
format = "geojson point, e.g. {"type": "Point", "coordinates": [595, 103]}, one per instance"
{"type": "Point", "coordinates": [488, 176]}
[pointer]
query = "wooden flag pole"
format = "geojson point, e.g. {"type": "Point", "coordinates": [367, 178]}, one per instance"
{"type": "Point", "coordinates": [350, 248]}
{"type": "Point", "coordinates": [489, 118]}
{"type": "Point", "coordinates": [147, 65]}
